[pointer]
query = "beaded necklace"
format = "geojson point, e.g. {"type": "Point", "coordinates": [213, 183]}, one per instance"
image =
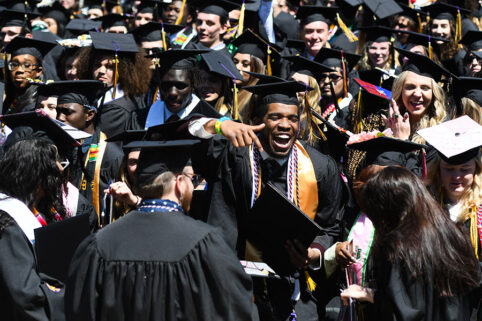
{"type": "Point", "coordinates": [159, 205]}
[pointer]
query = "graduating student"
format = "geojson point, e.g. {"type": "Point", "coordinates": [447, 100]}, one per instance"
{"type": "Point", "coordinates": [97, 161]}
{"type": "Point", "coordinates": [179, 12]}
{"type": "Point", "coordinates": [15, 21]}
{"type": "Point", "coordinates": [180, 269]}
{"type": "Point", "coordinates": [178, 80]}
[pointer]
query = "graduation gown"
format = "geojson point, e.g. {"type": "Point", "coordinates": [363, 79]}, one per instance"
{"type": "Point", "coordinates": [157, 266]}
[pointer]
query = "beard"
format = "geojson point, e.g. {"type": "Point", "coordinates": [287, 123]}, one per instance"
{"type": "Point", "coordinates": [186, 201]}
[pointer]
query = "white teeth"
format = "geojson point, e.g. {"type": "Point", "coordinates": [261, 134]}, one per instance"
{"type": "Point", "coordinates": [283, 136]}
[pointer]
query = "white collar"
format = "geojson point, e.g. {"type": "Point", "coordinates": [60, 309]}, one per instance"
{"type": "Point", "coordinates": [21, 214]}
{"type": "Point", "coordinates": [219, 46]}
{"type": "Point", "coordinates": [108, 95]}
{"type": "Point", "coordinates": [158, 113]}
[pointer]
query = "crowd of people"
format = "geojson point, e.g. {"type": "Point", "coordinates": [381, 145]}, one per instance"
{"type": "Point", "coordinates": [177, 127]}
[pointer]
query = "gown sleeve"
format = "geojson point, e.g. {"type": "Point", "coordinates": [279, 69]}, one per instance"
{"type": "Point", "coordinates": [21, 283]}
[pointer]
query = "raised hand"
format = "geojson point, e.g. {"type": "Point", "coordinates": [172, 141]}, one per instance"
{"type": "Point", "coordinates": [400, 125]}
{"type": "Point", "coordinates": [239, 134]}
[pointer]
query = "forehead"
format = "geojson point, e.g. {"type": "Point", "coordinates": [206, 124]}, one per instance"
{"type": "Point", "coordinates": [380, 44]}
{"type": "Point", "coordinates": [48, 99]}
{"type": "Point", "coordinates": [100, 57]}
{"type": "Point", "coordinates": [15, 29]}
{"type": "Point", "coordinates": [242, 56]}
{"type": "Point", "coordinates": [71, 106]}
{"type": "Point", "coordinates": [316, 25]}
{"type": "Point", "coordinates": [209, 17]}
{"type": "Point", "coordinates": [413, 78]}
{"type": "Point", "coordinates": [440, 21]}
{"type": "Point", "coordinates": [180, 75]}
{"type": "Point", "coordinates": [469, 163]}
{"type": "Point", "coordinates": [278, 108]}
{"type": "Point", "coordinates": [151, 44]}
{"type": "Point", "coordinates": [22, 58]}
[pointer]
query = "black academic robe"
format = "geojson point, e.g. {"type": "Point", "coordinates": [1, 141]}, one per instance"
{"type": "Point", "coordinates": [115, 117]}
{"type": "Point", "coordinates": [23, 293]}
{"type": "Point", "coordinates": [157, 266]}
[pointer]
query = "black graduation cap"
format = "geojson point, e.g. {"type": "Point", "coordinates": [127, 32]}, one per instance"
{"type": "Point", "coordinates": [147, 6]}
{"type": "Point", "coordinates": [83, 92]}
{"type": "Point", "coordinates": [177, 58]}
{"type": "Point", "coordinates": [112, 20]}
{"type": "Point", "coordinates": [423, 65]}
{"type": "Point", "coordinates": [253, 44]}
{"type": "Point", "coordinates": [472, 40]}
{"type": "Point", "coordinates": [378, 33]}
{"type": "Point", "coordinates": [82, 26]}
{"type": "Point", "coordinates": [457, 141]}
{"type": "Point", "coordinates": [17, 13]}
{"type": "Point", "coordinates": [352, 3]}
{"type": "Point", "coordinates": [308, 14]}
{"type": "Point", "coordinates": [441, 10]}
{"type": "Point", "coordinates": [377, 77]}
{"type": "Point", "coordinates": [38, 124]}
{"type": "Point", "coordinates": [157, 157]}
{"type": "Point", "coordinates": [469, 87]}
{"type": "Point", "coordinates": [420, 39]}
{"type": "Point", "coordinates": [218, 7]}
{"type": "Point", "coordinates": [383, 8]}
{"type": "Point", "coordinates": [56, 11]}
{"type": "Point", "coordinates": [412, 13]}
{"type": "Point", "coordinates": [379, 150]}
{"type": "Point", "coordinates": [374, 98]}
{"type": "Point", "coordinates": [113, 42]}
{"type": "Point", "coordinates": [218, 63]}
{"type": "Point", "coordinates": [50, 89]}
{"type": "Point", "coordinates": [265, 79]}
{"type": "Point", "coordinates": [152, 31]}
{"type": "Point", "coordinates": [281, 92]}
{"type": "Point", "coordinates": [477, 53]}
{"type": "Point", "coordinates": [128, 137]}
{"type": "Point", "coordinates": [333, 58]}
{"type": "Point", "coordinates": [308, 67]}
{"type": "Point", "coordinates": [298, 45]}
{"type": "Point", "coordinates": [37, 48]}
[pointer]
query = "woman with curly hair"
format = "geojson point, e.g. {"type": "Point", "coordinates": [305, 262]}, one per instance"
{"type": "Point", "coordinates": [30, 183]}
{"type": "Point", "coordinates": [128, 80]}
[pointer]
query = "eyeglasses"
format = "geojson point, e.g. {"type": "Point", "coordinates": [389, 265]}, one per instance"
{"type": "Point", "coordinates": [333, 77]}
{"type": "Point", "coordinates": [195, 179]}
{"type": "Point", "coordinates": [12, 65]}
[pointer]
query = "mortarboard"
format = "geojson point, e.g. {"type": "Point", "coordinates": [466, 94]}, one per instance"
{"type": "Point", "coordinates": [308, 67]}
{"type": "Point", "coordinates": [457, 141]}
{"type": "Point", "coordinates": [220, 64]}
{"type": "Point", "coordinates": [472, 40]}
{"type": "Point", "coordinates": [177, 59]}
{"type": "Point", "coordinates": [333, 58]}
{"type": "Point", "coordinates": [18, 13]}
{"type": "Point", "coordinates": [351, 3]}
{"type": "Point", "coordinates": [477, 53]}
{"type": "Point", "coordinates": [83, 92]}
{"type": "Point", "coordinates": [157, 157]}
{"type": "Point", "coordinates": [378, 33]}
{"type": "Point", "coordinates": [441, 10]}
{"type": "Point", "coordinates": [280, 92]}
{"type": "Point", "coordinates": [308, 14]}
{"type": "Point", "coordinates": [469, 87]}
{"type": "Point", "coordinates": [377, 77]}
{"type": "Point", "coordinates": [152, 31]}
{"type": "Point", "coordinates": [56, 12]}
{"type": "Point", "coordinates": [379, 150]}
{"type": "Point", "coordinates": [82, 26]}
{"type": "Point", "coordinates": [27, 46]}
{"type": "Point", "coordinates": [423, 65]}
{"type": "Point", "coordinates": [50, 89]}
{"type": "Point", "coordinates": [128, 137]}
{"type": "Point", "coordinates": [218, 7]}
{"type": "Point", "coordinates": [112, 20]}
{"type": "Point", "coordinates": [383, 8]}
{"type": "Point", "coordinates": [413, 14]}
{"type": "Point", "coordinates": [148, 6]}
{"type": "Point", "coordinates": [298, 45]}
{"type": "Point", "coordinates": [420, 39]}
{"type": "Point", "coordinates": [265, 79]}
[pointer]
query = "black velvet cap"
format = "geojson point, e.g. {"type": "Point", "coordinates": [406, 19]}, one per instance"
{"type": "Point", "coordinates": [378, 33]}
{"type": "Point", "coordinates": [128, 137]}
{"type": "Point", "coordinates": [152, 31]}
{"type": "Point", "coordinates": [157, 157]}
{"type": "Point", "coordinates": [308, 14]}
{"type": "Point", "coordinates": [218, 63]}
{"type": "Point", "coordinates": [332, 58]}
{"type": "Point", "coordinates": [457, 141]}
{"type": "Point", "coordinates": [440, 10]}
{"type": "Point", "coordinates": [112, 20]}
{"type": "Point", "coordinates": [253, 44]}
{"type": "Point", "coordinates": [469, 87]}
{"type": "Point", "coordinates": [218, 7]}
{"type": "Point", "coordinates": [265, 79]}
{"type": "Point", "coordinates": [16, 13]}
{"type": "Point", "coordinates": [28, 46]}
{"type": "Point", "coordinates": [419, 39]}
{"type": "Point", "coordinates": [383, 8]}
{"type": "Point", "coordinates": [380, 150]}
{"type": "Point", "coordinates": [80, 26]}
{"type": "Point", "coordinates": [280, 92]}
{"type": "Point", "coordinates": [83, 92]}
{"type": "Point", "coordinates": [177, 58]}
{"type": "Point", "coordinates": [51, 89]}
{"type": "Point", "coordinates": [123, 43]}
{"type": "Point", "coordinates": [472, 40]}
{"type": "Point", "coordinates": [411, 12]}
{"type": "Point", "coordinates": [308, 67]}
{"type": "Point", "coordinates": [423, 65]}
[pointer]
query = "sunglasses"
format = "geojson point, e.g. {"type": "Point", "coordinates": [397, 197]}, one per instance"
{"type": "Point", "coordinates": [195, 179]}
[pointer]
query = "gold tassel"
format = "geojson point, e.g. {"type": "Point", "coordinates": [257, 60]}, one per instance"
{"type": "Point", "coordinates": [419, 22]}
{"type": "Point", "coordinates": [345, 81]}
{"type": "Point", "coordinates": [349, 34]}
{"type": "Point", "coordinates": [458, 27]}
{"type": "Point", "coordinates": [473, 230]}
{"type": "Point", "coordinates": [241, 19]}
{"type": "Point", "coordinates": [181, 13]}
{"type": "Point", "coordinates": [268, 62]}
{"type": "Point", "coordinates": [235, 111]}
{"type": "Point", "coordinates": [164, 43]}
{"type": "Point", "coordinates": [116, 74]}
{"type": "Point", "coordinates": [357, 119]}
{"type": "Point", "coordinates": [104, 7]}
{"type": "Point", "coordinates": [118, 8]}
{"type": "Point", "coordinates": [430, 50]}
{"type": "Point", "coordinates": [309, 282]}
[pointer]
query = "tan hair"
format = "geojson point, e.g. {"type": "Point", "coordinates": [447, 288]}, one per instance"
{"type": "Point", "coordinates": [161, 185]}
{"type": "Point", "coordinates": [365, 63]}
{"type": "Point", "coordinates": [435, 113]}
{"type": "Point", "coordinates": [472, 109]}
{"type": "Point", "coordinates": [472, 196]}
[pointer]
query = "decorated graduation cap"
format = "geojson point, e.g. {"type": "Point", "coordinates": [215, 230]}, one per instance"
{"type": "Point", "coordinates": [442, 11]}
{"type": "Point", "coordinates": [457, 141]}
{"type": "Point", "coordinates": [82, 26]}
{"type": "Point", "coordinates": [421, 39]}
{"type": "Point", "coordinates": [472, 40]}
{"type": "Point", "coordinates": [115, 43]}
{"type": "Point", "coordinates": [155, 31]}
{"type": "Point", "coordinates": [378, 33]}
{"type": "Point", "coordinates": [423, 65]}
{"type": "Point", "coordinates": [27, 46]}
{"type": "Point", "coordinates": [469, 87]}
{"type": "Point", "coordinates": [112, 20]}
{"type": "Point", "coordinates": [37, 124]}
{"type": "Point", "coordinates": [177, 59]}
{"type": "Point", "coordinates": [218, 7]}
{"type": "Point", "coordinates": [308, 67]}
{"type": "Point", "coordinates": [82, 92]}
{"type": "Point", "coordinates": [158, 157]}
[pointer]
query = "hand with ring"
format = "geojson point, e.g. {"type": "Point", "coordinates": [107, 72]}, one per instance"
{"type": "Point", "coordinates": [400, 126]}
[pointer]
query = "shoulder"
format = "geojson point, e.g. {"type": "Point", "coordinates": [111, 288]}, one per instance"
{"type": "Point", "coordinates": [319, 159]}
{"type": "Point", "coordinates": [5, 221]}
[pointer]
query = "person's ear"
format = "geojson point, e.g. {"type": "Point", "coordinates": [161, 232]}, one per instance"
{"type": "Point", "coordinates": [180, 187]}
{"type": "Point", "coordinates": [224, 28]}
{"type": "Point", "coordinates": [89, 115]}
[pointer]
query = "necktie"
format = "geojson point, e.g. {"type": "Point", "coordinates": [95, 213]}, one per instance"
{"type": "Point", "coordinates": [173, 118]}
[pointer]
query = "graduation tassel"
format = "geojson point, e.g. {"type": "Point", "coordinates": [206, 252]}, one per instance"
{"type": "Point", "coordinates": [181, 13]}
{"type": "Point", "coordinates": [268, 62]}
{"type": "Point", "coordinates": [241, 19]}
{"type": "Point", "coordinates": [458, 27]}
{"type": "Point", "coordinates": [116, 62]}
{"type": "Point", "coordinates": [335, 100]}
{"type": "Point", "coordinates": [235, 111]}
{"type": "Point", "coordinates": [164, 44]}
{"type": "Point", "coordinates": [357, 128]}
{"type": "Point", "coordinates": [104, 7]}
{"type": "Point", "coordinates": [430, 50]}
{"type": "Point", "coordinates": [118, 8]}
{"type": "Point", "coordinates": [345, 82]}
{"type": "Point", "coordinates": [349, 34]}
{"type": "Point", "coordinates": [419, 22]}
{"type": "Point", "coordinates": [309, 282]}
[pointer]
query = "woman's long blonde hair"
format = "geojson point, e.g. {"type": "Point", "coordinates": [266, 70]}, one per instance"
{"type": "Point", "coordinates": [366, 64]}
{"type": "Point", "coordinates": [472, 196]}
{"type": "Point", "coordinates": [435, 113]}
